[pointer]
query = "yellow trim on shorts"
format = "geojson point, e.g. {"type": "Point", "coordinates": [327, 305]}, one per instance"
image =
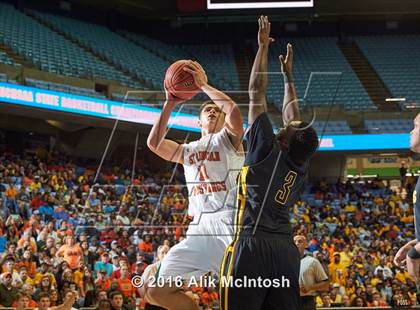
{"type": "Point", "coordinates": [241, 202]}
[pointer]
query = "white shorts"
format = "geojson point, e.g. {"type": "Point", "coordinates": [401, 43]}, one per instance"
{"type": "Point", "coordinates": [203, 248]}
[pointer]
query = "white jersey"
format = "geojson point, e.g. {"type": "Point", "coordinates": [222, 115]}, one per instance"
{"type": "Point", "coordinates": [211, 166]}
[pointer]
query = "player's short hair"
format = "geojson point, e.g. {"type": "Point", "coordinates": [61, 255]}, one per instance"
{"type": "Point", "coordinates": [208, 102]}
{"type": "Point", "coordinates": [303, 143]}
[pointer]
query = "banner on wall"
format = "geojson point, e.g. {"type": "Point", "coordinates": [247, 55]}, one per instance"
{"type": "Point", "coordinates": [102, 108]}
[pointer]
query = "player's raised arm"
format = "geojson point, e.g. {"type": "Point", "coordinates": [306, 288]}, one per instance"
{"type": "Point", "coordinates": [233, 119]}
{"type": "Point", "coordinates": [165, 148]}
{"type": "Point", "coordinates": [290, 110]}
{"type": "Point", "coordinates": [258, 80]}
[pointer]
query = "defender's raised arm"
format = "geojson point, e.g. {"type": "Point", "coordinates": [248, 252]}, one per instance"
{"type": "Point", "coordinates": [258, 80]}
{"type": "Point", "coordinates": [290, 109]}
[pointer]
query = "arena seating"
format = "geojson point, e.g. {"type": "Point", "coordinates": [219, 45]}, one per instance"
{"type": "Point", "coordinates": [5, 78]}
{"type": "Point", "coordinates": [217, 59]}
{"type": "Point", "coordinates": [64, 88]}
{"type": "Point", "coordinates": [389, 125]}
{"type": "Point", "coordinates": [332, 128]}
{"type": "Point", "coordinates": [395, 59]}
{"type": "Point", "coordinates": [144, 64]}
{"type": "Point", "coordinates": [5, 59]}
{"type": "Point", "coordinates": [313, 57]}
{"type": "Point", "coordinates": [319, 61]}
{"type": "Point", "coordinates": [50, 51]}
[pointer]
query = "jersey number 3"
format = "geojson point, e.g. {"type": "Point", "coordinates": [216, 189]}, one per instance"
{"type": "Point", "coordinates": [284, 192]}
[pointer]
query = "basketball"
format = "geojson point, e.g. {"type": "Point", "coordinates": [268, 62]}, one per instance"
{"type": "Point", "coordinates": [180, 83]}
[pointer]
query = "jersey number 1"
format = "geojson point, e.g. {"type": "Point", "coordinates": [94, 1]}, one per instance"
{"type": "Point", "coordinates": [284, 192]}
{"type": "Point", "coordinates": [203, 173]}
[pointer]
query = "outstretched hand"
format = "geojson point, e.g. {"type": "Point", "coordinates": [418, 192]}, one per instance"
{"type": "Point", "coordinates": [264, 28]}
{"type": "Point", "coordinates": [287, 63]}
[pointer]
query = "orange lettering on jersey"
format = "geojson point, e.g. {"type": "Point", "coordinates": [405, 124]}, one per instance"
{"type": "Point", "coordinates": [207, 188]}
{"type": "Point", "coordinates": [203, 173]}
{"type": "Point", "coordinates": [201, 156]}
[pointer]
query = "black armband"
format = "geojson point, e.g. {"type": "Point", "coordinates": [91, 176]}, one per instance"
{"type": "Point", "coordinates": [412, 253]}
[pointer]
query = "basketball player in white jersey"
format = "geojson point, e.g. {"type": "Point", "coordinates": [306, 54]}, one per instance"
{"type": "Point", "coordinates": [211, 166]}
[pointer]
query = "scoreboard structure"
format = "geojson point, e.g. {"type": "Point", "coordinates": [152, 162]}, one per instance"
{"type": "Point", "coordinates": [255, 4]}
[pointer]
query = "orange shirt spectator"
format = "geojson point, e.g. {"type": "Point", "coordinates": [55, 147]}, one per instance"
{"type": "Point", "coordinates": [72, 252]}
{"type": "Point", "coordinates": [126, 287]}
{"type": "Point", "coordinates": [11, 192]}
{"type": "Point", "coordinates": [124, 283]}
{"type": "Point", "coordinates": [103, 282]}
{"type": "Point", "coordinates": [145, 245]}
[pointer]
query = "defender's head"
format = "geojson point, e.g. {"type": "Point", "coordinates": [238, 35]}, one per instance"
{"type": "Point", "coordinates": [299, 140]}
{"type": "Point", "coordinates": [212, 119]}
{"type": "Point", "coordinates": [415, 135]}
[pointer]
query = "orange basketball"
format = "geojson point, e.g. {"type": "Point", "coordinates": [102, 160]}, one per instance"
{"type": "Point", "coordinates": [179, 82]}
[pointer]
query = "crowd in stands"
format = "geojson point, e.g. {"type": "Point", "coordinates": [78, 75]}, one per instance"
{"type": "Point", "coordinates": [355, 229]}
{"type": "Point", "coordinates": [64, 232]}
{"type": "Point", "coordinates": [61, 232]}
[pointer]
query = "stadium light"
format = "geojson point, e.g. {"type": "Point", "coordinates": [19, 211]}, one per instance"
{"type": "Point", "coordinates": [395, 99]}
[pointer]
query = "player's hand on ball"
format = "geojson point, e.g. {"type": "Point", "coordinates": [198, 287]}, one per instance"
{"type": "Point", "coordinates": [197, 71]}
{"type": "Point", "coordinates": [171, 99]}
{"type": "Point", "coordinates": [264, 28]}
{"type": "Point", "coordinates": [287, 63]}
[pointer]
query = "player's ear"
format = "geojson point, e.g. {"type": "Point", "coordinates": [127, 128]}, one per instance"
{"type": "Point", "coordinates": [199, 123]}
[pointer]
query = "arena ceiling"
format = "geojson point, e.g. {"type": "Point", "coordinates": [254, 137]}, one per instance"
{"type": "Point", "coordinates": [329, 9]}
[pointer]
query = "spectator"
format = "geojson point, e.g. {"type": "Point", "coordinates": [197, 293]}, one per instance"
{"type": "Point", "coordinates": [312, 278]}
{"type": "Point", "coordinates": [8, 293]}
{"type": "Point", "coordinates": [72, 252]}
{"type": "Point", "coordinates": [359, 302]}
{"type": "Point", "coordinates": [117, 300]}
{"type": "Point", "coordinates": [335, 297]}
{"type": "Point", "coordinates": [22, 301]}
{"type": "Point", "coordinates": [44, 286]}
{"type": "Point", "coordinates": [44, 271]}
{"type": "Point", "coordinates": [323, 301]}
{"type": "Point", "coordinates": [124, 283]}
{"type": "Point", "coordinates": [345, 301]}
{"type": "Point", "coordinates": [103, 282]}
{"type": "Point", "coordinates": [101, 295]}
{"type": "Point", "coordinates": [337, 270]}
{"type": "Point", "coordinates": [104, 264]}
{"type": "Point", "coordinates": [104, 305]}
{"type": "Point", "coordinates": [115, 275]}
{"type": "Point", "coordinates": [377, 301]}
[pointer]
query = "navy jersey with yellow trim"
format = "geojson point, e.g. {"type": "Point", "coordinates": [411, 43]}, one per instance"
{"type": "Point", "coordinates": [273, 182]}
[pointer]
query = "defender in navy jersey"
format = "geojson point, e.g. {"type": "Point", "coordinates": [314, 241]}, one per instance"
{"type": "Point", "coordinates": [270, 182]}
{"type": "Point", "coordinates": [409, 254]}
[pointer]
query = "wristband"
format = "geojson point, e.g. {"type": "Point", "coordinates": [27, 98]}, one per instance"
{"type": "Point", "coordinates": [288, 78]}
{"type": "Point", "coordinates": [412, 253]}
